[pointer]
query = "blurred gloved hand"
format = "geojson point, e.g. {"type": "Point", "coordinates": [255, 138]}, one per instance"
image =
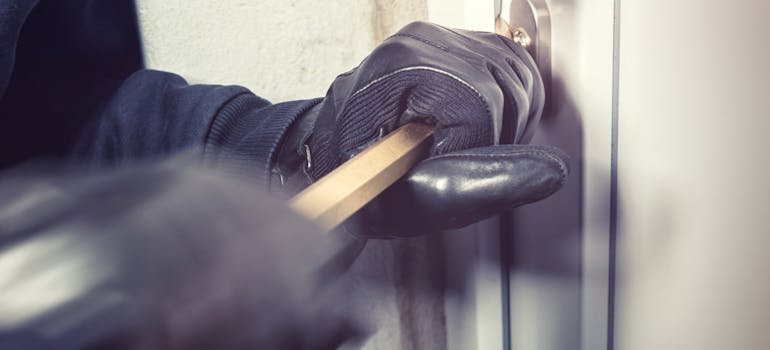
{"type": "Point", "coordinates": [478, 89]}
{"type": "Point", "coordinates": [165, 256]}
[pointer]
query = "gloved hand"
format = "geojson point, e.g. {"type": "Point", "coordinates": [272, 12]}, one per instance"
{"type": "Point", "coordinates": [477, 88]}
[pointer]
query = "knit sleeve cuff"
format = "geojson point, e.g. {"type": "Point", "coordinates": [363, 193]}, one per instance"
{"type": "Point", "coordinates": [246, 135]}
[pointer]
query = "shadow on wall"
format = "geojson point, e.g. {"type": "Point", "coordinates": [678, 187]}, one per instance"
{"type": "Point", "coordinates": [542, 242]}
{"type": "Point", "coordinates": [546, 236]}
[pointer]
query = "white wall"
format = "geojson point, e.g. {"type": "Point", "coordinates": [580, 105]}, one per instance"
{"type": "Point", "coordinates": [282, 50]}
{"type": "Point", "coordinates": [694, 190]}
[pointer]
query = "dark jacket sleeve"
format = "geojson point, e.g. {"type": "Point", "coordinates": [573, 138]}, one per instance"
{"type": "Point", "coordinates": [60, 61]}
{"type": "Point", "coordinates": [156, 114]}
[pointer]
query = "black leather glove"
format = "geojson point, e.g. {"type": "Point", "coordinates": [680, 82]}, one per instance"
{"type": "Point", "coordinates": [477, 88]}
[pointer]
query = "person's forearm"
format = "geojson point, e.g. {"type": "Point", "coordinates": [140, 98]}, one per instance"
{"type": "Point", "coordinates": [157, 114]}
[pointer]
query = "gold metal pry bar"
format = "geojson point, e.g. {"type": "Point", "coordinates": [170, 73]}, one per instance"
{"type": "Point", "coordinates": [338, 195]}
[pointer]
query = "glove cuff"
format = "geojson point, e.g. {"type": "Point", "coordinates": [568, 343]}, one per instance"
{"type": "Point", "coordinates": [288, 173]}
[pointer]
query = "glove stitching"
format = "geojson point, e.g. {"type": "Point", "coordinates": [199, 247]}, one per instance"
{"type": "Point", "coordinates": [431, 43]}
{"type": "Point", "coordinates": [406, 69]}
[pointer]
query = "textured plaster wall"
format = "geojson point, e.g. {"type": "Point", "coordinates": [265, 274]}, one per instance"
{"type": "Point", "coordinates": [285, 50]}
{"type": "Point", "coordinates": [281, 50]}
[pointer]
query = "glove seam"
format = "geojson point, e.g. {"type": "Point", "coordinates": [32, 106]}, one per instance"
{"type": "Point", "coordinates": [426, 41]}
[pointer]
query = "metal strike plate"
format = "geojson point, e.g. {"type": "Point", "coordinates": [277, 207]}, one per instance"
{"type": "Point", "coordinates": [529, 24]}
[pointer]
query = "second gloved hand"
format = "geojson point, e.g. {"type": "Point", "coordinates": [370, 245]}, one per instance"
{"type": "Point", "coordinates": [478, 89]}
